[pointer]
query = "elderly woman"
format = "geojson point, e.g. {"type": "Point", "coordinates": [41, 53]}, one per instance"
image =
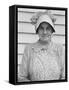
{"type": "Point", "coordinates": [43, 60]}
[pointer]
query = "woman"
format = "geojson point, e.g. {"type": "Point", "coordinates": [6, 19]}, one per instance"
{"type": "Point", "coordinates": [43, 60]}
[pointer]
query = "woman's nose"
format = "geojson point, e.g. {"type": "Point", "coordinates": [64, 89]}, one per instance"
{"type": "Point", "coordinates": [45, 31]}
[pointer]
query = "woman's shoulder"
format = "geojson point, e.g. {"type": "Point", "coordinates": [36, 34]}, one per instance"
{"type": "Point", "coordinates": [30, 46]}
{"type": "Point", "coordinates": [57, 46]}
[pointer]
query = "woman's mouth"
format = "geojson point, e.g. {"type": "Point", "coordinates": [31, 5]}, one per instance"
{"type": "Point", "coordinates": [45, 35]}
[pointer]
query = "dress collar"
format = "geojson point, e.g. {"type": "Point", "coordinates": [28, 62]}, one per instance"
{"type": "Point", "coordinates": [38, 47]}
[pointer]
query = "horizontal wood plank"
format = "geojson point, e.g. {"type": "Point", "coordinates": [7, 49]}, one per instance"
{"type": "Point", "coordinates": [29, 38]}
{"type": "Point", "coordinates": [27, 18]}
{"type": "Point", "coordinates": [29, 28]}
{"type": "Point", "coordinates": [21, 48]}
{"type": "Point", "coordinates": [19, 58]}
{"type": "Point", "coordinates": [26, 27]}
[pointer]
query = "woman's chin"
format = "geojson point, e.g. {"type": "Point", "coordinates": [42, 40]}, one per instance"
{"type": "Point", "coordinates": [44, 40]}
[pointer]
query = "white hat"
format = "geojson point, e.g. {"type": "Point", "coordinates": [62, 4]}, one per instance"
{"type": "Point", "coordinates": [44, 18]}
{"type": "Point", "coordinates": [40, 17]}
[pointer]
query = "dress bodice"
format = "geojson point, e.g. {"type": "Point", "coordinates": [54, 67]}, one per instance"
{"type": "Point", "coordinates": [44, 64]}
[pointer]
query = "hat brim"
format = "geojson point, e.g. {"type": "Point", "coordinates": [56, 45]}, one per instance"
{"type": "Point", "coordinates": [53, 29]}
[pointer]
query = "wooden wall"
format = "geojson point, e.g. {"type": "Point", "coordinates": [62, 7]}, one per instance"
{"type": "Point", "coordinates": [26, 31]}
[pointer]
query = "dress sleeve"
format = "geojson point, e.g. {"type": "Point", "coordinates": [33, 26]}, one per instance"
{"type": "Point", "coordinates": [62, 61]}
{"type": "Point", "coordinates": [23, 68]}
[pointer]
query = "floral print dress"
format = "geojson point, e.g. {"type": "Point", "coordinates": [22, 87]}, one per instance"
{"type": "Point", "coordinates": [42, 63]}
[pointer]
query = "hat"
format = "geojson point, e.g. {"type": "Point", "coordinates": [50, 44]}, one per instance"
{"type": "Point", "coordinates": [43, 17]}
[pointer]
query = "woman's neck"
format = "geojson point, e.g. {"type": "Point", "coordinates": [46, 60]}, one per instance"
{"type": "Point", "coordinates": [44, 42]}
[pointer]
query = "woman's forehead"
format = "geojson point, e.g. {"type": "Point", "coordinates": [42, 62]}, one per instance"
{"type": "Point", "coordinates": [45, 24]}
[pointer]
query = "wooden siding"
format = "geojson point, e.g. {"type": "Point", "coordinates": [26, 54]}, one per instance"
{"type": "Point", "coordinates": [26, 31]}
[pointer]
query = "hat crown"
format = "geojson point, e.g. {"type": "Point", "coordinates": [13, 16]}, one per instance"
{"type": "Point", "coordinates": [44, 18]}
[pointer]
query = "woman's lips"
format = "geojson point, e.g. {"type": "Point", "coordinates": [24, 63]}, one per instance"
{"type": "Point", "coordinates": [45, 35]}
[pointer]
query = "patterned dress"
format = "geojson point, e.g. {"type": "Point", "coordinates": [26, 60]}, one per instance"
{"type": "Point", "coordinates": [42, 63]}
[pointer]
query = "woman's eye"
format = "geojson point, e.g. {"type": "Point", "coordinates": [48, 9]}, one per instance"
{"type": "Point", "coordinates": [48, 28]}
{"type": "Point", "coordinates": [41, 28]}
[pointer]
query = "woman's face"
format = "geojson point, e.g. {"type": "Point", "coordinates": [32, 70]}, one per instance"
{"type": "Point", "coordinates": [45, 32]}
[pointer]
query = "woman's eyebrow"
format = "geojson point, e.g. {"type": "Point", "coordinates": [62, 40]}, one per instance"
{"type": "Point", "coordinates": [49, 26]}
{"type": "Point", "coordinates": [41, 26]}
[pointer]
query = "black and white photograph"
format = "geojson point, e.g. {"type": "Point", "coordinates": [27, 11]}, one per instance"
{"type": "Point", "coordinates": [41, 44]}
